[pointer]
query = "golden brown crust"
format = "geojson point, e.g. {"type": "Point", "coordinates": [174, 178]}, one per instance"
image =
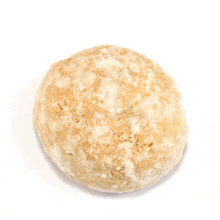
{"type": "Point", "coordinates": [111, 119]}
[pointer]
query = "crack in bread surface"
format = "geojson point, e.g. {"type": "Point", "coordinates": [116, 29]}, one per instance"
{"type": "Point", "coordinates": [111, 119]}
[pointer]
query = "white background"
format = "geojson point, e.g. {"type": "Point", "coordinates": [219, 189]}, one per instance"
{"type": "Point", "coordinates": [182, 36]}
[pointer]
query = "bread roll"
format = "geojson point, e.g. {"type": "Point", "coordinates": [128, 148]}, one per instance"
{"type": "Point", "coordinates": [111, 119]}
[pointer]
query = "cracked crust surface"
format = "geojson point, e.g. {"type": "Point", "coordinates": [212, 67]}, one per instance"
{"type": "Point", "coordinates": [111, 119]}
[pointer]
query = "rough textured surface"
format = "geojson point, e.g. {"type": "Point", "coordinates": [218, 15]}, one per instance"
{"type": "Point", "coordinates": [111, 119]}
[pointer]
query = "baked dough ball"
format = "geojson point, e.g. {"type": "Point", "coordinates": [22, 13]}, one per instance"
{"type": "Point", "coordinates": [111, 119]}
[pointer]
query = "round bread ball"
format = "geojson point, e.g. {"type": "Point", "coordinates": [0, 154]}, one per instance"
{"type": "Point", "coordinates": [111, 119]}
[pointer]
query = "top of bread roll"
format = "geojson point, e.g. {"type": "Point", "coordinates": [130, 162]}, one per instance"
{"type": "Point", "coordinates": [111, 119]}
